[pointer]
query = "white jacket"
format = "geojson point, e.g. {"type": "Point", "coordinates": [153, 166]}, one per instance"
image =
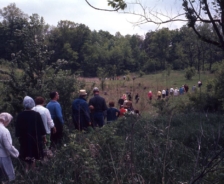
{"type": "Point", "coordinates": [46, 117]}
{"type": "Point", "coordinates": [6, 147]}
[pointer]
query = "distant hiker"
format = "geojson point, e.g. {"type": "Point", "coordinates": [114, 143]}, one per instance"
{"type": "Point", "coordinates": [176, 92]}
{"type": "Point", "coordinates": [136, 98]}
{"type": "Point", "coordinates": [81, 112]}
{"type": "Point", "coordinates": [181, 91]}
{"type": "Point", "coordinates": [167, 92]}
{"type": "Point", "coordinates": [129, 96]}
{"type": "Point", "coordinates": [120, 101]}
{"type": "Point", "coordinates": [122, 111]}
{"type": "Point", "coordinates": [129, 107]}
{"type": "Point", "coordinates": [186, 88]}
{"type": "Point", "coordinates": [163, 93]}
{"type": "Point", "coordinates": [193, 88]}
{"type": "Point", "coordinates": [199, 84]}
{"type": "Point", "coordinates": [124, 96]}
{"type": "Point", "coordinates": [112, 113]}
{"type": "Point", "coordinates": [100, 107]}
{"type": "Point", "coordinates": [171, 91]}
{"type": "Point", "coordinates": [150, 95]}
{"type": "Point", "coordinates": [159, 94]}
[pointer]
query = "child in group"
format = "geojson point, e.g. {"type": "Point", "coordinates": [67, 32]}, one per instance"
{"type": "Point", "coordinates": [112, 113]}
{"type": "Point", "coordinates": [122, 111]}
{"type": "Point", "coordinates": [150, 95]}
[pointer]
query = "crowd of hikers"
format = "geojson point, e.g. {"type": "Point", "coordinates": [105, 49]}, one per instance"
{"type": "Point", "coordinates": [39, 129]}
{"type": "Point", "coordinates": [173, 91]}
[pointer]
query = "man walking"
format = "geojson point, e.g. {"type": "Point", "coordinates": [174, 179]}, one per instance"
{"type": "Point", "coordinates": [100, 107]}
{"type": "Point", "coordinates": [56, 113]}
{"type": "Point", "coordinates": [80, 112]}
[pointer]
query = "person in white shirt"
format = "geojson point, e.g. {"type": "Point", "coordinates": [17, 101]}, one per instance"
{"type": "Point", "coordinates": [46, 118]}
{"type": "Point", "coordinates": [176, 92]}
{"type": "Point", "coordinates": [163, 93]}
{"type": "Point", "coordinates": [171, 91]}
{"type": "Point", "coordinates": [6, 148]}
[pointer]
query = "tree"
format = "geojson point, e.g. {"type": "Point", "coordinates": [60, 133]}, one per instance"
{"type": "Point", "coordinates": [12, 18]}
{"type": "Point", "coordinates": [209, 12]}
{"type": "Point", "coordinates": [30, 72]}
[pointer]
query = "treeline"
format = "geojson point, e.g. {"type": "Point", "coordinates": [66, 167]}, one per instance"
{"type": "Point", "coordinates": [94, 53]}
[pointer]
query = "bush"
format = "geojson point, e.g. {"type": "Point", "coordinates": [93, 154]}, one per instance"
{"type": "Point", "coordinates": [141, 73]}
{"type": "Point", "coordinates": [143, 150]}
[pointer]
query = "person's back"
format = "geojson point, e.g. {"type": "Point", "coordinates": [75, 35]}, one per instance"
{"type": "Point", "coordinates": [171, 91]}
{"type": "Point", "coordinates": [98, 103]}
{"type": "Point", "coordinates": [112, 113]}
{"type": "Point", "coordinates": [6, 149]}
{"type": "Point", "coordinates": [176, 92]}
{"type": "Point", "coordinates": [150, 95]}
{"type": "Point", "coordinates": [159, 93]}
{"type": "Point", "coordinates": [164, 93]}
{"type": "Point", "coordinates": [122, 111]}
{"type": "Point", "coordinates": [56, 114]}
{"type": "Point", "coordinates": [80, 112]}
{"type": "Point", "coordinates": [180, 91]}
{"type": "Point", "coordinates": [121, 101]}
{"type": "Point", "coordinates": [100, 107]}
{"type": "Point", "coordinates": [167, 92]}
{"type": "Point", "coordinates": [45, 114]}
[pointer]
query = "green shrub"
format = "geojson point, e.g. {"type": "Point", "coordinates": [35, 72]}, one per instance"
{"type": "Point", "coordinates": [144, 150]}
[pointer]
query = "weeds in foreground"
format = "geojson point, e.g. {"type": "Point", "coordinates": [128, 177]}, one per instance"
{"type": "Point", "coordinates": [183, 148]}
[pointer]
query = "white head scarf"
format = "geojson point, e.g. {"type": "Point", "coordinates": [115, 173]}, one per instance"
{"type": "Point", "coordinates": [5, 118]}
{"type": "Point", "coordinates": [28, 102]}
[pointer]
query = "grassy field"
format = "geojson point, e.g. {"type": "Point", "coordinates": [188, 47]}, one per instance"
{"type": "Point", "coordinates": [142, 85]}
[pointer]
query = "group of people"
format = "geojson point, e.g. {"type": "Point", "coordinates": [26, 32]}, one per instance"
{"type": "Point", "coordinates": [95, 112]}
{"type": "Point", "coordinates": [173, 91]}
{"type": "Point", "coordinates": [37, 128]}
{"type": "Point", "coordinates": [40, 128]}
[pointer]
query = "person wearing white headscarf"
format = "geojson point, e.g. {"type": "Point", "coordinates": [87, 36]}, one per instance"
{"type": "Point", "coordinates": [31, 133]}
{"type": "Point", "coordinates": [6, 148]}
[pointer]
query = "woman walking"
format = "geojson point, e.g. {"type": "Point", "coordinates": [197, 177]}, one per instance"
{"type": "Point", "coordinates": [31, 133]}
{"type": "Point", "coordinates": [6, 148]}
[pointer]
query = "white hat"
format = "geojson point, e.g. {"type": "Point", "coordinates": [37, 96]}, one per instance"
{"type": "Point", "coordinates": [82, 92]}
{"type": "Point", "coordinates": [95, 89]}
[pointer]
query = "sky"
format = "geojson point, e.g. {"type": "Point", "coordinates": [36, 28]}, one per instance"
{"type": "Point", "coordinates": [79, 11]}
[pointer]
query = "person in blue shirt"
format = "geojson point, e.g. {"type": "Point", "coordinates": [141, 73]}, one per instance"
{"type": "Point", "coordinates": [56, 114]}
{"type": "Point", "coordinates": [80, 112]}
{"type": "Point", "coordinates": [112, 113]}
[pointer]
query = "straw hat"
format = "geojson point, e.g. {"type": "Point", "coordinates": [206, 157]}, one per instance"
{"type": "Point", "coordinates": [82, 92]}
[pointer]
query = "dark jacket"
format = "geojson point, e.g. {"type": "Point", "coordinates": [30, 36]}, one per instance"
{"type": "Point", "coordinates": [98, 103]}
{"type": "Point", "coordinates": [80, 112]}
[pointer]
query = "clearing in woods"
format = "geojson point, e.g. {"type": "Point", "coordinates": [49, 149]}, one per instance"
{"type": "Point", "coordinates": [113, 89]}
